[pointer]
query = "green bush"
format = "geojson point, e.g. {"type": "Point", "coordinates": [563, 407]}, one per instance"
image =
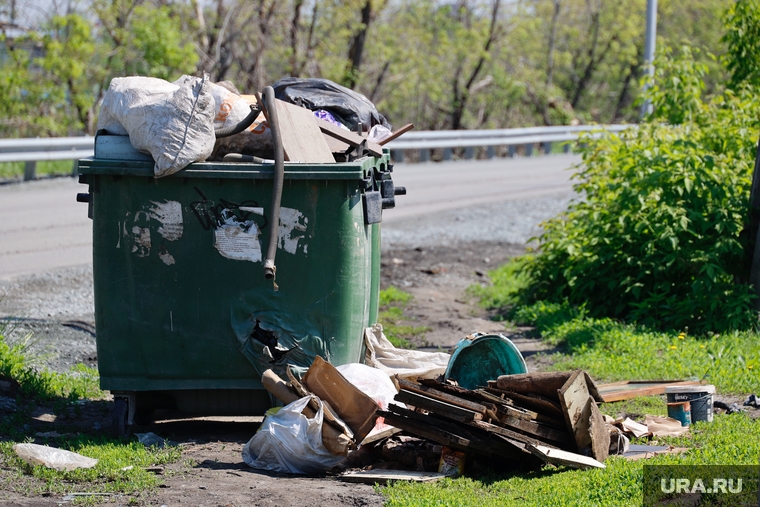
{"type": "Point", "coordinates": [657, 237]}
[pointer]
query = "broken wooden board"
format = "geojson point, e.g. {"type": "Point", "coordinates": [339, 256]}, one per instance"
{"type": "Point", "coordinates": [385, 476]}
{"type": "Point", "coordinates": [395, 135]}
{"type": "Point", "coordinates": [301, 137]}
{"type": "Point", "coordinates": [442, 396]}
{"type": "Point", "coordinates": [534, 402]}
{"type": "Point", "coordinates": [513, 435]}
{"type": "Point", "coordinates": [584, 420]}
{"type": "Point", "coordinates": [438, 407]}
{"type": "Point", "coordinates": [627, 389]}
{"type": "Point", "coordinates": [373, 438]}
{"type": "Point", "coordinates": [560, 457]}
{"type": "Point", "coordinates": [600, 435]}
{"type": "Point", "coordinates": [544, 383]}
{"type": "Point", "coordinates": [348, 137]}
{"type": "Point", "coordinates": [461, 436]}
{"type": "Point", "coordinates": [353, 406]}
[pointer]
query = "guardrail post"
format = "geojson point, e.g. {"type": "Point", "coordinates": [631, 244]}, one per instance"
{"type": "Point", "coordinates": [528, 150]}
{"type": "Point", "coordinates": [491, 152]}
{"type": "Point", "coordinates": [566, 148]}
{"type": "Point", "coordinates": [547, 148]}
{"type": "Point", "coordinates": [425, 155]}
{"type": "Point", "coordinates": [75, 168]}
{"type": "Point", "coordinates": [447, 154]}
{"type": "Point", "coordinates": [511, 151]}
{"type": "Point", "coordinates": [398, 156]}
{"type": "Point", "coordinates": [469, 153]}
{"type": "Point", "coordinates": [30, 170]}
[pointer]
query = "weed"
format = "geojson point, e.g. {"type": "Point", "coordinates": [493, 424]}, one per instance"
{"type": "Point", "coordinates": [392, 304]}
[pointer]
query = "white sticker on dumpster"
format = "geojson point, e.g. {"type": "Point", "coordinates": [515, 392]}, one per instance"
{"type": "Point", "coordinates": [292, 226]}
{"type": "Point", "coordinates": [169, 215]}
{"type": "Point", "coordinates": [238, 240]}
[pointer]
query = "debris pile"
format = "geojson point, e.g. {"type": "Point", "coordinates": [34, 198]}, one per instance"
{"type": "Point", "coordinates": [530, 418]}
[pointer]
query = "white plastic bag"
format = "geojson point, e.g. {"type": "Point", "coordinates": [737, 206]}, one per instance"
{"type": "Point", "coordinates": [174, 122]}
{"type": "Point", "coordinates": [290, 442]}
{"type": "Point", "coordinates": [405, 363]}
{"type": "Point", "coordinates": [52, 457]}
{"type": "Point", "coordinates": [373, 382]}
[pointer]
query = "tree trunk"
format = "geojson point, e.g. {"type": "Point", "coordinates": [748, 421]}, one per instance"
{"type": "Point", "coordinates": [552, 42]}
{"type": "Point", "coordinates": [356, 51]}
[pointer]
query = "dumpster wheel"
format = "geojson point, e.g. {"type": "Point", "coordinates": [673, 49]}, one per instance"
{"type": "Point", "coordinates": [122, 416]}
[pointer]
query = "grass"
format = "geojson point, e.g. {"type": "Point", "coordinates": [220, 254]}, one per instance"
{"type": "Point", "coordinates": [392, 304]}
{"type": "Point", "coordinates": [121, 466]}
{"type": "Point", "coordinates": [610, 351]}
{"type": "Point", "coordinates": [15, 170]}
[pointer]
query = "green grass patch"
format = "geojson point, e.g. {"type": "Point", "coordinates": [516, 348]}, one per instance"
{"type": "Point", "coordinates": [121, 464]}
{"type": "Point", "coordinates": [392, 304]}
{"type": "Point", "coordinates": [611, 350]}
{"type": "Point", "coordinates": [120, 468]}
{"type": "Point", "coordinates": [15, 170]}
{"type": "Point", "coordinates": [42, 385]}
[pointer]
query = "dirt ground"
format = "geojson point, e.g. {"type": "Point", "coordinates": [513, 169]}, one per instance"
{"type": "Point", "coordinates": [211, 472]}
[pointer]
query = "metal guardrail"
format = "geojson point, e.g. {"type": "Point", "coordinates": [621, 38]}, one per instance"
{"type": "Point", "coordinates": [31, 151]}
{"type": "Point", "coordinates": [34, 150]}
{"type": "Point", "coordinates": [424, 141]}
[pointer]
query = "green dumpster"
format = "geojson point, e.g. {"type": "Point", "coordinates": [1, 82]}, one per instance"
{"type": "Point", "coordinates": [184, 316]}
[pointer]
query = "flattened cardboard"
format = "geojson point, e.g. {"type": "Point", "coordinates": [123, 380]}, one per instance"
{"type": "Point", "coordinates": [353, 406]}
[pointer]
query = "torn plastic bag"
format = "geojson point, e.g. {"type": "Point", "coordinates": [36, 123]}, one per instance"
{"type": "Point", "coordinates": [409, 364]}
{"type": "Point", "coordinates": [349, 107]}
{"type": "Point", "coordinates": [174, 122]}
{"type": "Point", "coordinates": [373, 382]}
{"type": "Point", "coordinates": [290, 442]}
{"type": "Point", "coordinates": [51, 457]}
{"type": "Point", "coordinates": [231, 109]}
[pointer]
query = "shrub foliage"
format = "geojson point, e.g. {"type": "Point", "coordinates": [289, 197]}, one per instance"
{"type": "Point", "coordinates": [657, 236]}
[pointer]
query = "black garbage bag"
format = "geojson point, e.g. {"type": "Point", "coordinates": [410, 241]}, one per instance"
{"type": "Point", "coordinates": [347, 106]}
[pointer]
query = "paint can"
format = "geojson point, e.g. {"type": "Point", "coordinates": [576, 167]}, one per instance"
{"type": "Point", "coordinates": [680, 411]}
{"type": "Point", "coordinates": [452, 462]}
{"type": "Point", "coordinates": [699, 397]}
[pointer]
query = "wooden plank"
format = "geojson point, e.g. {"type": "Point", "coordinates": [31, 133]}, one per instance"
{"type": "Point", "coordinates": [573, 396]}
{"type": "Point", "coordinates": [302, 140]}
{"type": "Point", "coordinates": [373, 438]}
{"type": "Point", "coordinates": [429, 427]}
{"type": "Point", "coordinates": [385, 476]}
{"type": "Point", "coordinates": [600, 435]}
{"type": "Point", "coordinates": [537, 403]}
{"type": "Point", "coordinates": [403, 130]}
{"type": "Point", "coordinates": [438, 407]}
{"type": "Point", "coordinates": [535, 429]}
{"type": "Point", "coordinates": [584, 419]}
{"type": "Point", "coordinates": [509, 433]}
{"type": "Point", "coordinates": [348, 137]}
{"type": "Point", "coordinates": [627, 389]}
{"type": "Point", "coordinates": [461, 392]}
{"type": "Point", "coordinates": [440, 395]}
{"type": "Point", "coordinates": [560, 457]}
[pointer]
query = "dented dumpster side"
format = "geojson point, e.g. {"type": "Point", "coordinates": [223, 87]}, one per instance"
{"type": "Point", "coordinates": [181, 302]}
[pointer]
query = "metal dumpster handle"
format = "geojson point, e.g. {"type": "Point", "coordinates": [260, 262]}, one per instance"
{"type": "Point", "coordinates": [270, 110]}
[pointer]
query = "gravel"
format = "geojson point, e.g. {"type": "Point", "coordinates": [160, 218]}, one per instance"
{"type": "Point", "coordinates": [504, 222]}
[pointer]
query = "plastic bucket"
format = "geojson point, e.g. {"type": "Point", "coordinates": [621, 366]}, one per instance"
{"type": "Point", "coordinates": [699, 397]}
{"type": "Point", "coordinates": [479, 358]}
{"type": "Point", "coordinates": [680, 411]}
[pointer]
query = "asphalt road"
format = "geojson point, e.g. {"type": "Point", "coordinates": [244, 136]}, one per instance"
{"type": "Point", "coordinates": [42, 227]}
